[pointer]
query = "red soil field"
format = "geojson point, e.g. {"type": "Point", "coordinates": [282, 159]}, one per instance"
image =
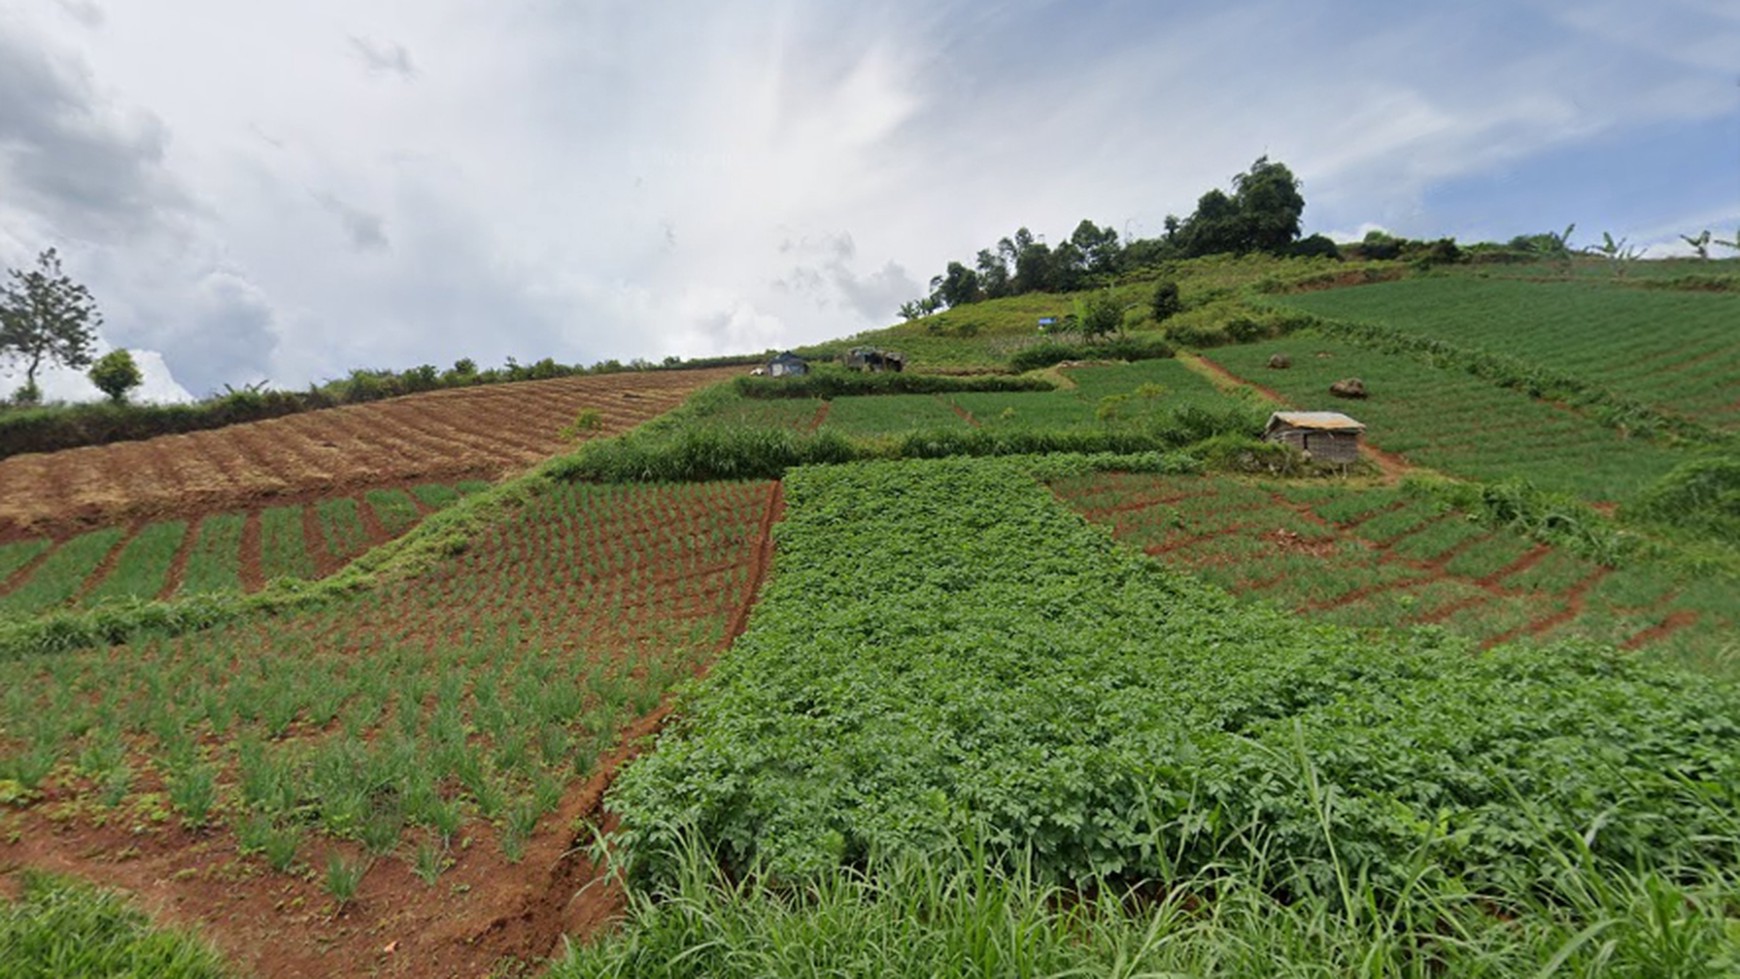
{"type": "Point", "coordinates": [485, 913]}
{"type": "Point", "coordinates": [481, 432]}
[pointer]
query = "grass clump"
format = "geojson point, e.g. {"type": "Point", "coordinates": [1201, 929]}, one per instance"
{"type": "Point", "coordinates": [956, 917]}
{"type": "Point", "coordinates": [59, 929]}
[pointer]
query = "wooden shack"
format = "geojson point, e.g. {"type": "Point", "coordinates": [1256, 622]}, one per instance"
{"type": "Point", "coordinates": [1325, 436]}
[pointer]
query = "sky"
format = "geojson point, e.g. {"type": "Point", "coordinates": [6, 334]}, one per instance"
{"type": "Point", "coordinates": [279, 192]}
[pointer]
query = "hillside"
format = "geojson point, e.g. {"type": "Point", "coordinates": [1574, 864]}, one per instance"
{"type": "Point", "coordinates": [995, 672]}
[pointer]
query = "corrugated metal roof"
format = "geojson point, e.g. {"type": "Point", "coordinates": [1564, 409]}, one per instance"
{"type": "Point", "coordinates": [1329, 421]}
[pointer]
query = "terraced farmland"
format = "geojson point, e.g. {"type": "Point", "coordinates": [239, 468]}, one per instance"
{"type": "Point", "coordinates": [1672, 349]}
{"type": "Point", "coordinates": [441, 728]}
{"type": "Point", "coordinates": [1378, 558]}
{"type": "Point", "coordinates": [1448, 420]}
{"type": "Point", "coordinates": [216, 552]}
{"type": "Point", "coordinates": [479, 432]}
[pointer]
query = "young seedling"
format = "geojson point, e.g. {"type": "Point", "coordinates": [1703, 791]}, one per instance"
{"type": "Point", "coordinates": [342, 879]}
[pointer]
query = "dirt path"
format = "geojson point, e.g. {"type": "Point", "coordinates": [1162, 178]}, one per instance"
{"type": "Point", "coordinates": [964, 414]}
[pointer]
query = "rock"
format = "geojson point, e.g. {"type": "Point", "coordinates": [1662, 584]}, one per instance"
{"type": "Point", "coordinates": [1280, 362]}
{"type": "Point", "coordinates": [1348, 387]}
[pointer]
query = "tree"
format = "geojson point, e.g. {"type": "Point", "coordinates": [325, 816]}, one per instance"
{"type": "Point", "coordinates": [958, 286]}
{"type": "Point", "coordinates": [45, 317]}
{"type": "Point", "coordinates": [1270, 206]}
{"type": "Point", "coordinates": [115, 374]}
{"type": "Point", "coordinates": [1100, 247]}
{"type": "Point", "coordinates": [993, 274]}
{"type": "Point", "coordinates": [1261, 215]}
{"type": "Point", "coordinates": [1700, 243]}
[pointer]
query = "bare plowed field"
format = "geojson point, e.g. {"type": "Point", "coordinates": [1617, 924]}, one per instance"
{"type": "Point", "coordinates": [480, 432]}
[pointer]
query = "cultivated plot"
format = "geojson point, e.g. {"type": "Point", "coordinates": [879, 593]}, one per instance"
{"type": "Point", "coordinates": [1378, 557]}
{"type": "Point", "coordinates": [221, 551]}
{"type": "Point", "coordinates": [1672, 349]}
{"type": "Point", "coordinates": [398, 750]}
{"type": "Point", "coordinates": [1452, 421]}
{"type": "Point", "coordinates": [439, 436]}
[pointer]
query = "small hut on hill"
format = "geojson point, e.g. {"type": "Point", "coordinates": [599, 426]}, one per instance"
{"type": "Point", "coordinates": [787, 364]}
{"type": "Point", "coordinates": [1326, 436]}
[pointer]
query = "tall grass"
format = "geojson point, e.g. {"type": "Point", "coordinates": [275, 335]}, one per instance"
{"type": "Point", "coordinates": [61, 929]}
{"type": "Point", "coordinates": [958, 917]}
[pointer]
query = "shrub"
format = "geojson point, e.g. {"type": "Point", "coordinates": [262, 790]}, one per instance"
{"type": "Point", "coordinates": [1702, 496]}
{"type": "Point", "coordinates": [1049, 352]}
{"type": "Point", "coordinates": [1166, 302]}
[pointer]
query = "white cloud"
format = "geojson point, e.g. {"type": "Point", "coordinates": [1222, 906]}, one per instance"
{"type": "Point", "coordinates": [384, 58]}
{"type": "Point", "coordinates": [592, 181]}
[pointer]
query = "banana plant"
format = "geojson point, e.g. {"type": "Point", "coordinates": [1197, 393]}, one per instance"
{"type": "Point", "coordinates": [1617, 252]}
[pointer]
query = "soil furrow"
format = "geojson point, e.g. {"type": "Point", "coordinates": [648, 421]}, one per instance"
{"type": "Point", "coordinates": [107, 565]}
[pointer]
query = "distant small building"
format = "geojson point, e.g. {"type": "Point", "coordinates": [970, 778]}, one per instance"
{"type": "Point", "coordinates": [787, 364]}
{"type": "Point", "coordinates": [872, 359]}
{"type": "Point", "coordinates": [1326, 436]}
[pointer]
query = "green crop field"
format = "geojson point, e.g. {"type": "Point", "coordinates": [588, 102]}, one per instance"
{"type": "Point", "coordinates": [477, 692]}
{"type": "Point", "coordinates": [1032, 697]}
{"type": "Point", "coordinates": [1448, 420]}
{"type": "Point", "coordinates": [395, 510]}
{"type": "Point", "coordinates": [283, 544]}
{"type": "Point", "coordinates": [1163, 384]}
{"type": "Point", "coordinates": [1676, 350]}
{"type": "Point", "coordinates": [214, 560]}
{"type": "Point", "coordinates": [841, 679]}
{"type": "Point", "coordinates": [58, 580]}
{"type": "Point", "coordinates": [142, 569]}
{"type": "Point", "coordinates": [341, 527]}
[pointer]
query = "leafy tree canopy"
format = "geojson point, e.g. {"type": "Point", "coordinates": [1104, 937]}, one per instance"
{"type": "Point", "coordinates": [116, 373]}
{"type": "Point", "coordinates": [45, 317]}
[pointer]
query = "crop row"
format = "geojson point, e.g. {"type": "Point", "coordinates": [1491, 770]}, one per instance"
{"type": "Point", "coordinates": [218, 552]}
{"type": "Point", "coordinates": [468, 698]}
{"type": "Point", "coordinates": [1671, 349]}
{"type": "Point", "coordinates": [946, 654]}
{"type": "Point", "coordinates": [1452, 421]}
{"type": "Point", "coordinates": [1379, 557]}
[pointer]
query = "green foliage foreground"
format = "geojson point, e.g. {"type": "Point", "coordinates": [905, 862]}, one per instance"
{"type": "Point", "coordinates": [950, 919]}
{"type": "Point", "coordinates": [946, 654]}
{"type": "Point", "coordinates": [60, 929]}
